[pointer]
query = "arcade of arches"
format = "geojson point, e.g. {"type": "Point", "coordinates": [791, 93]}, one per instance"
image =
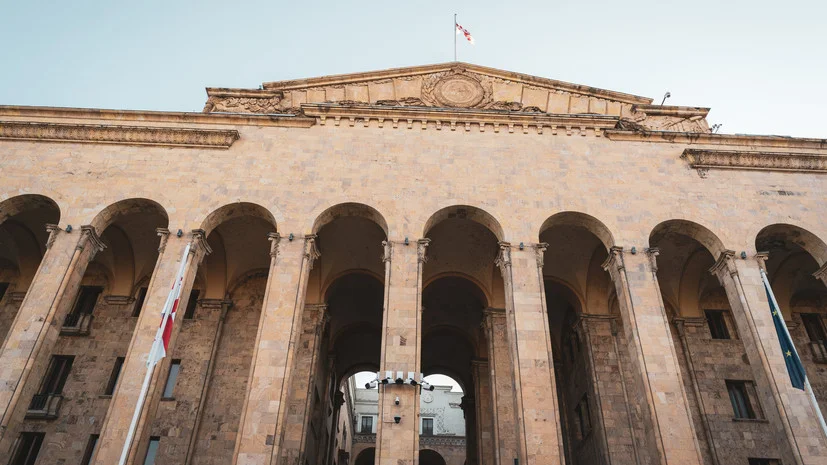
{"type": "Point", "coordinates": [462, 303]}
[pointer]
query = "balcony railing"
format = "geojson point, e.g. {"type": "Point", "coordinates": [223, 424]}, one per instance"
{"type": "Point", "coordinates": [819, 350]}
{"type": "Point", "coordinates": [76, 324]}
{"type": "Point", "coordinates": [44, 406]}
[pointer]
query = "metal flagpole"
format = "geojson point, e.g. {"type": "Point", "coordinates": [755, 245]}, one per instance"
{"type": "Point", "coordinates": [455, 37]}
{"type": "Point", "coordinates": [807, 386]}
{"type": "Point", "coordinates": [176, 290]}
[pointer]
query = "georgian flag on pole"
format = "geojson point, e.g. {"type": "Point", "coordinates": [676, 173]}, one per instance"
{"type": "Point", "coordinates": [463, 31]}
{"type": "Point", "coordinates": [795, 369]}
{"type": "Point", "coordinates": [161, 343]}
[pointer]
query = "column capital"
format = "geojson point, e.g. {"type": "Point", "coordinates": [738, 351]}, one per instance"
{"type": "Point", "coordinates": [539, 251]}
{"type": "Point", "coordinates": [200, 248]}
{"type": "Point", "coordinates": [724, 266]}
{"type": "Point", "coordinates": [421, 248]}
{"type": "Point", "coordinates": [53, 231]}
{"type": "Point", "coordinates": [503, 260]}
{"type": "Point", "coordinates": [652, 253]}
{"type": "Point", "coordinates": [274, 239]}
{"type": "Point", "coordinates": [761, 258]}
{"type": "Point", "coordinates": [88, 236]}
{"type": "Point", "coordinates": [311, 251]}
{"type": "Point", "coordinates": [821, 273]}
{"type": "Point", "coordinates": [614, 262]}
{"type": "Point", "coordinates": [387, 251]}
{"type": "Point", "coordinates": [164, 234]}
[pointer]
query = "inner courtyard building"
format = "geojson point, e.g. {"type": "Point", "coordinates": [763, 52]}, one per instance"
{"type": "Point", "coordinates": [584, 266]}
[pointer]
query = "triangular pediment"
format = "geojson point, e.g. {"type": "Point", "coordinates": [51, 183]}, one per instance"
{"type": "Point", "coordinates": [447, 85]}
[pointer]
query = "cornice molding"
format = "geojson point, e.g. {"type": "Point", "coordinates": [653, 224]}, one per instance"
{"type": "Point", "coordinates": [703, 159]}
{"type": "Point", "coordinates": [246, 119]}
{"type": "Point", "coordinates": [673, 137]}
{"type": "Point", "coordinates": [668, 110]}
{"type": "Point", "coordinates": [453, 118]}
{"type": "Point", "coordinates": [116, 134]}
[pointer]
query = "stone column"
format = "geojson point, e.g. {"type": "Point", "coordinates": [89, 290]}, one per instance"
{"type": "Point", "coordinates": [485, 409]}
{"type": "Point", "coordinates": [469, 412]}
{"type": "Point", "coordinates": [788, 409]}
{"type": "Point", "coordinates": [538, 417]}
{"type": "Point", "coordinates": [501, 374]}
{"type": "Point", "coordinates": [669, 434]}
{"type": "Point", "coordinates": [264, 415]}
{"type": "Point", "coordinates": [294, 447]}
{"type": "Point", "coordinates": [398, 443]}
{"type": "Point", "coordinates": [122, 406]}
{"type": "Point", "coordinates": [36, 327]}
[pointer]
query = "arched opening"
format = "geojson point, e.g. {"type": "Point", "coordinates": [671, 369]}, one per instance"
{"type": "Point", "coordinates": [578, 294]}
{"type": "Point", "coordinates": [366, 457]}
{"type": "Point", "coordinates": [219, 328]}
{"type": "Point", "coordinates": [358, 417]}
{"type": "Point", "coordinates": [23, 237]}
{"type": "Point", "coordinates": [795, 267]}
{"type": "Point", "coordinates": [463, 286]}
{"type": "Point", "coordinates": [444, 415]}
{"type": "Point", "coordinates": [431, 457]}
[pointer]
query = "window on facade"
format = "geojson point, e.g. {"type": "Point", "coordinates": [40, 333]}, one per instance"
{"type": "Point", "coordinates": [90, 450]}
{"type": "Point", "coordinates": [427, 426]}
{"type": "Point", "coordinates": [717, 324]}
{"type": "Point", "coordinates": [764, 461]}
{"type": "Point", "coordinates": [367, 424]}
{"type": "Point", "coordinates": [191, 303]}
{"type": "Point", "coordinates": [739, 396]}
{"type": "Point", "coordinates": [139, 302]}
{"type": "Point", "coordinates": [84, 305]}
{"type": "Point", "coordinates": [344, 436]}
{"type": "Point", "coordinates": [26, 450]}
{"type": "Point", "coordinates": [57, 374]}
{"type": "Point", "coordinates": [174, 369]}
{"type": "Point", "coordinates": [814, 327]}
{"type": "Point", "coordinates": [583, 417]}
{"type": "Point", "coordinates": [113, 378]}
{"type": "Point", "coordinates": [152, 450]}
{"type": "Point", "coordinates": [3, 288]}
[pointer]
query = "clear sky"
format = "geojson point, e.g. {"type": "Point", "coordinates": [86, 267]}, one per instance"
{"type": "Point", "coordinates": [759, 65]}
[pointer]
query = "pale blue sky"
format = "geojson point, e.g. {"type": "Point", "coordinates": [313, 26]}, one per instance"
{"type": "Point", "coordinates": [760, 65]}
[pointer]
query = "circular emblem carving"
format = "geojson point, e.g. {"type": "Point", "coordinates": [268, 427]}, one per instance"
{"type": "Point", "coordinates": [427, 397]}
{"type": "Point", "coordinates": [458, 91]}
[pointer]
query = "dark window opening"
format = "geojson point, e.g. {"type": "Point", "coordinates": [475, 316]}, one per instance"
{"type": "Point", "coordinates": [26, 450]}
{"type": "Point", "coordinates": [174, 369]}
{"type": "Point", "coordinates": [753, 461]}
{"type": "Point", "coordinates": [3, 288]}
{"type": "Point", "coordinates": [90, 449]}
{"type": "Point", "coordinates": [427, 426]}
{"type": "Point", "coordinates": [717, 324]}
{"type": "Point", "coordinates": [191, 303]}
{"type": "Point", "coordinates": [741, 405]}
{"type": "Point", "coordinates": [367, 425]}
{"type": "Point", "coordinates": [583, 417]}
{"type": "Point", "coordinates": [139, 302]}
{"type": "Point", "coordinates": [113, 378]}
{"type": "Point", "coordinates": [84, 305]}
{"type": "Point", "coordinates": [814, 327]}
{"type": "Point", "coordinates": [57, 374]}
{"type": "Point", "coordinates": [152, 450]}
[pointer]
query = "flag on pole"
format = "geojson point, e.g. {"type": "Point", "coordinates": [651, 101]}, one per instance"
{"type": "Point", "coordinates": [463, 31]}
{"type": "Point", "coordinates": [161, 343]}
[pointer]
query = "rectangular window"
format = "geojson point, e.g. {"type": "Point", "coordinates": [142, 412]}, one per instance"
{"type": "Point", "coordinates": [717, 324]}
{"type": "Point", "coordinates": [584, 417]}
{"type": "Point", "coordinates": [738, 395]}
{"type": "Point", "coordinates": [427, 426]}
{"type": "Point", "coordinates": [3, 288]}
{"type": "Point", "coordinates": [113, 378]}
{"type": "Point", "coordinates": [57, 374]}
{"type": "Point", "coordinates": [367, 424]}
{"type": "Point", "coordinates": [814, 327]}
{"type": "Point", "coordinates": [139, 302]}
{"type": "Point", "coordinates": [90, 450]}
{"type": "Point", "coordinates": [191, 303]}
{"type": "Point", "coordinates": [87, 298]}
{"type": "Point", "coordinates": [174, 369]}
{"type": "Point", "coordinates": [26, 450]}
{"type": "Point", "coordinates": [764, 461]}
{"type": "Point", "coordinates": [152, 450]}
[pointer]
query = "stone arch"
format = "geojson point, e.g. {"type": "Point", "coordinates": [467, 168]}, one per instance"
{"type": "Point", "coordinates": [366, 457]}
{"type": "Point", "coordinates": [20, 203]}
{"type": "Point", "coordinates": [482, 294]}
{"type": "Point", "coordinates": [700, 233]}
{"type": "Point", "coordinates": [464, 384]}
{"type": "Point", "coordinates": [246, 276]}
{"type": "Point", "coordinates": [430, 457]}
{"type": "Point", "coordinates": [349, 209]}
{"type": "Point", "coordinates": [235, 210]}
{"type": "Point", "coordinates": [776, 234]}
{"type": "Point", "coordinates": [111, 213]}
{"type": "Point", "coordinates": [326, 289]}
{"type": "Point", "coordinates": [581, 220]}
{"type": "Point", "coordinates": [474, 214]}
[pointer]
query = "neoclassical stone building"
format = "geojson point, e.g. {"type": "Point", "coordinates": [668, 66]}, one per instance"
{"type": "Point", "coordinates": [586, 265]}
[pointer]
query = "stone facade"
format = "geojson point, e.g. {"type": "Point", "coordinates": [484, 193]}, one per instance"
{"type": "Point", "coordinates": [587, 265]}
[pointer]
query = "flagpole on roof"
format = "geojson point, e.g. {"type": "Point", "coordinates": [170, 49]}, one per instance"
{"type": "Point", "coordinates": [807, 387]}
{"type": "Point", "coordinates": [455, 36]}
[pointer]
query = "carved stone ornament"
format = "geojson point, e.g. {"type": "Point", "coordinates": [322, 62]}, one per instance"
{"type": "Point", "coordinates": [421, 247]}
{"type": "Point", "coordinates": [455, 89]}
{"type": "Point", "coordinates": [311, 252]}
{"type": "Point", "coordinates": [164, 234]}
{"type": "Point", "coordinates": [725, 265]}
{"type": "Point", "coordinates": [200, 248]}
{"type": "Point", "coordinates": [704, 159]}
{"type": "Point", "coordinates": [503, 260]}
{"type": "Point", "coordinates": [265, 105]}
{"type": "Point", "coordinates": [90, 237]}
{"type": "Point", "coordinates": [274, 239]}
{"type": "Point", "coordinates": [53, 230]}
{"type": "Point", "coordinates": [387, 251]}
{"type": "Point", "coordinates": [539, 253]}
{"type": "Point", "coordinates": [614, 262]}
{"type": "Point", "coordinates": [652, 253]}
{"type": "Point", "coordinates": [821, 273]}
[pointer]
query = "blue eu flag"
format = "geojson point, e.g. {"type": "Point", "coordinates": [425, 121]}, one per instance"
{"type": "Point", "coordinates": [794, 367]}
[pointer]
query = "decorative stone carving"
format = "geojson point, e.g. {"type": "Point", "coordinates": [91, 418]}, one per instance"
{"type": "Point", "coordinates": [503, 260]}
{"type": "Point", "coordinates": [53, 230]}
{"type": "Point", "coordinates": [274, 239]}
{"type": "Point", "coordinates": [164, 234]}
{"type": "Point", "coordinates": [387, 251]}
{"type": "Point", "coordinates": [454, 89]}
{"type": "Point", "coordinates": [90, 237]}
{"type": "Point", "coordinates": [614, 262]}
{"type": "Point", "coordinates": [703, 159]}
{"type": "Point", "coordinates": [539, 251]}
{"type": "Point", "coordinates": [652, 253]}
{"type": "Point", "coordinates": [821, 273]}
{"type": "Point", "coordinates": [311, 252]}
{"type": "Point", "coordinates": [724, 265]}
{"type": "Point", "coordinates": [665, 118]}
{"type": "Point", "coordinates": [421, 247]}
{"type": "Point", "coordinates": [116, 134]}
{"type": "Point", "coordinates": [200, 248]}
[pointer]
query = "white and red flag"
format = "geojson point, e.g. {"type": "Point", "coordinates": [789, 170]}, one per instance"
{"type": "Point", "coordinates": [463, 31]}
{"type": "Point", "coordinates": [161, 343]}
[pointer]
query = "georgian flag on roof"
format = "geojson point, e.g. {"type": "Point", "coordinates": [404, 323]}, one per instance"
{"type": "Point", "coordinates": [463, 31]}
